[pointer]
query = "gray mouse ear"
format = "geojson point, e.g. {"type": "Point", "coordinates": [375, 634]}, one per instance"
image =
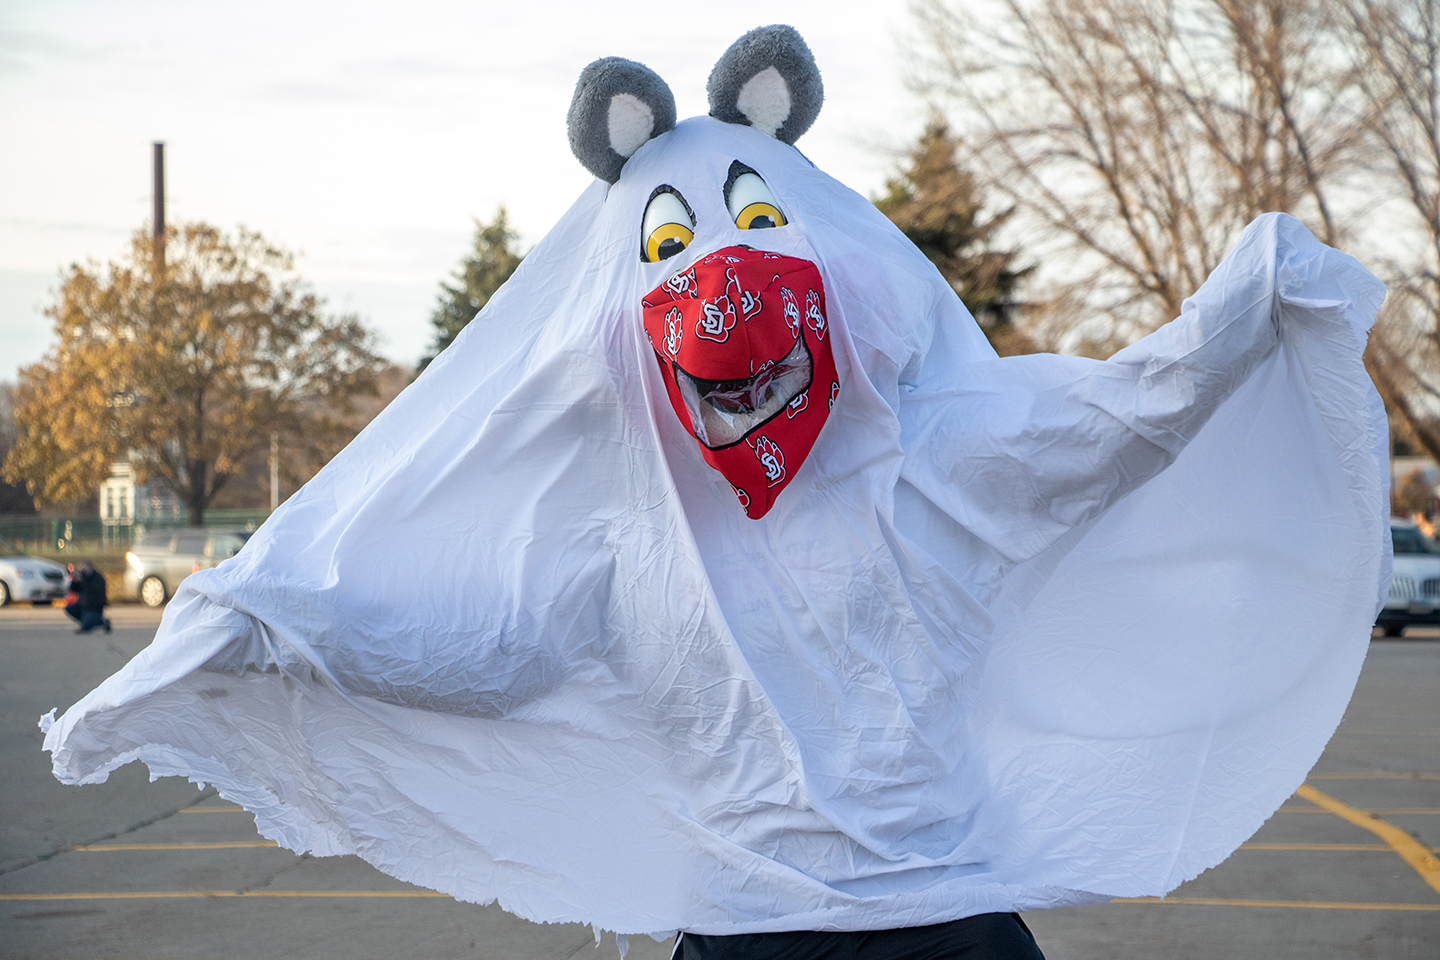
{"type": "Point", "coordinates": [768, 79]}
{"type": "Point", "coordinates": [618, 105]}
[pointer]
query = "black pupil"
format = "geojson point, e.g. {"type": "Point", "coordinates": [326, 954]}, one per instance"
{"type": "Point", "coordinates": [762, 222]}
{"type": "Point", "coordinates": [669, 247]}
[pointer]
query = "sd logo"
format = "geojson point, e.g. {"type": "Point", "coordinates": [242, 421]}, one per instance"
{"type": "Point", "coordinates": [772, 458]}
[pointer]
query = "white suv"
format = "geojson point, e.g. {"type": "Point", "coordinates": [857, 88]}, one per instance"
{"type": "Point", "coordinates": [29, 578]}
{"type": "Point", "coordinates": [1415, 592]}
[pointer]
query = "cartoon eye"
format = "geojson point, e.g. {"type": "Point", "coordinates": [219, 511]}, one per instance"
{"type": "Point", "coordinates": [750, 201]}
{"type": "Point", "coordinates": [668, 227]}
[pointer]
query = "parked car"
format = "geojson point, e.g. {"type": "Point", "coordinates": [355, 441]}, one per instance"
{"type": "Point", "coordinates": [30, 578]}
{"type": "Point", "coordinates": [160, 559]}
{"type": "Point", "coordinates": [1415, 591]}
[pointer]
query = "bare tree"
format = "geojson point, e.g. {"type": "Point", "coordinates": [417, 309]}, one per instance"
{"type": "Point", "coordinates": [1136, 138]}
{"type": "Point", "coordinates": [1395, 51]}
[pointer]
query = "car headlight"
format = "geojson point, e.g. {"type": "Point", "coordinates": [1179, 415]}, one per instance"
{"type": "Point", "coordinates": [134, 561]}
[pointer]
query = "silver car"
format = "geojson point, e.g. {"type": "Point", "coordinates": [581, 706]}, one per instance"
{"type": "Point", "coordinates": [1415, 590]}
{"type": "Point", "coordinates": [30, 578]}
{"type": "Point", "coordinates": [160, 559]}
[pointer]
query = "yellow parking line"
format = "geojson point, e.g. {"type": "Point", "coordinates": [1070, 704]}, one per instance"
{"type": "Point", "coordinates": [1385, 847]}
{"type": "Point", "coordinates": [213, 810]}
{"type": "Point", "coordinates": [1410, 849]}
{"type": "Point", "coordinates": [1300, 904]}
{"type": "Point", "coordinates": [1388, 811]}
{"type": "Point", "coordinates": [1365, 732]}
{"type": "Point", "coordinates": [1375, 776]}
{"type": "Point", "coordinates": [1317, 846]}
{"type": "Point", "coordinates": [431, 894]}
{"type": "Point", "coordinates": [201, 894]}
{"type": "Point", "coordinates": [1404, 810]}
{"type": "Point", "coordinates": [220, 845]}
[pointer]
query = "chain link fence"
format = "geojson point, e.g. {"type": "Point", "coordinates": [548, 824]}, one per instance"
{"type": "Point", "coordinates": [51, 536]}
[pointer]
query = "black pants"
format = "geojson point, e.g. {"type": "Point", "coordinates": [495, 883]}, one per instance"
{"type": "Point", "coordinates": [88, 617]}
{"type": "Point", "coordinates": [990, 936]}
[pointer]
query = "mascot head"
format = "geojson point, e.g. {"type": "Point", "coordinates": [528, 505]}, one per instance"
{"type": "Point", "coordinates": [737, 319]}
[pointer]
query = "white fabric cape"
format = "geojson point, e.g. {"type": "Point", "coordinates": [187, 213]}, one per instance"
{"type": "Point", "coordinates": [1021, 633]}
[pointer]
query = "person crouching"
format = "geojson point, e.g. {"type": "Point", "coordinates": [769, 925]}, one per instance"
{"type": "Point", "coordinates": [88, 588]}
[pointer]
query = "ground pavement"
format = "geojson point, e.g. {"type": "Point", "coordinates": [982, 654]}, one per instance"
{"type": "Point", "coordinates": [130, 869]}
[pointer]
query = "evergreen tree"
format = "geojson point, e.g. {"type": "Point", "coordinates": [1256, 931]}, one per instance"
{"type": "Point", "coordinates": [488, 265]}
{"type": "Point", "coordinates": [938, 206]}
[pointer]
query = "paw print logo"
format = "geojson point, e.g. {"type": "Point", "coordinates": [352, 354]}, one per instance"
{"type": "Point", "coordinates": [682, 284]}
{"type": "Point", "coordinates": [717, 316]}
{"type": "Point", "coordinates": [772, 458]}
{"type": "Point", "coordinates": [834, 392]}
{"type": "Point", "coordinates": [792, 310]}
{"type": "Point", "coordinates": [672, 331]}
{"type": "Point", "coordinates": [716, 319]}
{"type": "Point", "coordinates": [814, 318]}
{"type": "Point", "coordinates": [743, 497]}
{"type": "Point", "coordinates": [749, 302]}
{"type": "Point", "coordinates": [799, 402]}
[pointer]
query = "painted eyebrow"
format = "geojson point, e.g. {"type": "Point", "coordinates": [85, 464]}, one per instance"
{"type": "Point", "coordinates": [666, 188]}
{"type": "Point", "coordinates": [663, 188]}
{"type": "Point", "coordinates": [737, 170]}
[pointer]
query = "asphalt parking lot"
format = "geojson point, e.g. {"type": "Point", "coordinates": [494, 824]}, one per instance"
{"type": "Point", "coordinates": [131, 869]}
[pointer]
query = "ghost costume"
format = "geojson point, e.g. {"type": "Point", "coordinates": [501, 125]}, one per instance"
{"type": "Point", "coordinates": [1016, 633]}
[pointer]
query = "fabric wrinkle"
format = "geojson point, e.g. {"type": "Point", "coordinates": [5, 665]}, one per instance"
{"type": "Point", "coordinates": [996, 646]}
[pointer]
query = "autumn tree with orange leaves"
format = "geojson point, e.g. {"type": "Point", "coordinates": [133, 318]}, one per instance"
{"type": "Point", "coordinates": [186, 365]}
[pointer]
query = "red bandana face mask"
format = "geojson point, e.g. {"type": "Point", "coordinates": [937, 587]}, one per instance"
{"type": "Point", "coordinates": [744, 348]}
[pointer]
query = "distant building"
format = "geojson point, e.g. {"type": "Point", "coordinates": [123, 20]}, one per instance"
{"type": "Point", "coordinates": [117, 495]}
{"type": "Point", "coordinates": [123, 503]}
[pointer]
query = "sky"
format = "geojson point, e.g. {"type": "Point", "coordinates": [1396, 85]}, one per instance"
{"type": "Point", "coordinates": [367, 137]}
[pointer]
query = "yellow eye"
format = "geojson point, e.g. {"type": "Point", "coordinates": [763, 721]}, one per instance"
{"type": "Point", "coordinates": [668, 227]}
{"type": "Point", "coordinates": [758, 216]}
{"type": "Point", "coordinates": [667, 240]}
{"type": "Point", "coordinates": [750, 201]}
